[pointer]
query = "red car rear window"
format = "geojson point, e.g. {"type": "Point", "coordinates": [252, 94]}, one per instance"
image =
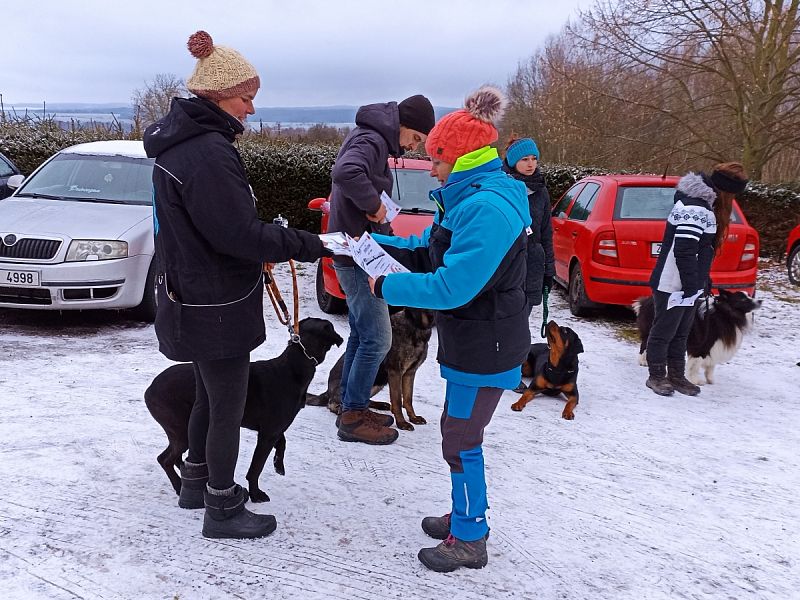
{"type": "Point", "coordinates": [648, 204]}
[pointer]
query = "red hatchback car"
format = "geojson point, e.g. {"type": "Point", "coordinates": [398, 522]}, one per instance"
{"type": "Point", "coordinates": [607, 233]}
{"type": "Point", "coordinates": [793, 255]}
{"type": "Point", "coordinates": [412, 185]}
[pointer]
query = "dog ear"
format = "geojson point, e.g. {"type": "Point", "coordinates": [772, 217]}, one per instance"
{"type": "Point", "coordinates": [576, 343]}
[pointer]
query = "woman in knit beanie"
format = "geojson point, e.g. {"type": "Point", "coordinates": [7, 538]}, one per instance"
{"type": "Point", "coordinates": [470, 268]}
{"type": "Point", "coordinates": [210, 248]}
{"type": "Point", "coordinates": [696, 228]}
{"type": "Point", "coordinates": [522, 163]}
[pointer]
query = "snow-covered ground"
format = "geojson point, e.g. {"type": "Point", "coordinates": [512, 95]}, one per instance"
{"type": "Point", "coordinates": [639, 497]}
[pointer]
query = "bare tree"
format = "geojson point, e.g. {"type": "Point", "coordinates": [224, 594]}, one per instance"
{"type": "Point", "coordinates": [723, 73]}
{"type": "Point", "coordinates": [152, 102]}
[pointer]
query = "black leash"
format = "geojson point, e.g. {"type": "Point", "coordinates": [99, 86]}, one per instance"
{"type": "Point", "coordinates": [545, 294]}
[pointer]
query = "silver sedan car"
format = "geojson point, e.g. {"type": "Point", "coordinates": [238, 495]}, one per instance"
{"type": "Point", "coordinates": [77, 233]}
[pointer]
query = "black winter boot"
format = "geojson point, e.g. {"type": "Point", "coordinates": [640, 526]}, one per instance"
{"type": "Point", "coordinates": [658, 381]}
{"type": "Point", "coordinates": [226, 516]}
{"type": "Point", "coordinates": [677, 377]}
{"type": "Point", "coordinates": [453, 553]}
{"type": "Point", "coordinates": [194, 477]}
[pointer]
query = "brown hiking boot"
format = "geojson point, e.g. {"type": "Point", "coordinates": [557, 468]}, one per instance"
{"type": "Point", "coordinates": [683, 385]}
{"type": "Point", "coordinates": [356, 426]}
{"type": "Point", "coordinates": [439, 527]}
{"type": "Point", "coordinates": [378, 418]}
{"type": "Point", "coordinates": [453, 553]}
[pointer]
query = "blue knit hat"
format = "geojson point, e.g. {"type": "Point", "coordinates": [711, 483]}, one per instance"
{"type": "Point", "coordinates": [520, 148]}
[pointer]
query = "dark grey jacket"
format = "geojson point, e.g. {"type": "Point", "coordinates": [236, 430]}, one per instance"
{"type": "Point", "coordinates": [361, 171]}
{"type": "Point", "coordinates": [210, 244]}
{"type": "Point", "coordinates": [540, 257]}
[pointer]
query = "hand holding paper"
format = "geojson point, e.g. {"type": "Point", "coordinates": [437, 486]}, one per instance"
{"type": "Point", "coordinates": [368, 255]}
{"type": "Point", "coordinates": [677, 299]}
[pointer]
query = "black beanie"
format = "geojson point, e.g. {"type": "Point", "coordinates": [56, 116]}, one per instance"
{"type": "Point", "coordinates": [726, 183]}
{"type": "Point", "coordinates": [416, 113]}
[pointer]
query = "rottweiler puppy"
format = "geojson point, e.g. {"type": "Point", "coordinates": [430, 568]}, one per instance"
{"type": "Point", "coordinates": [554, 368]}
{"type": "Point", "coordinates": [275, 394]}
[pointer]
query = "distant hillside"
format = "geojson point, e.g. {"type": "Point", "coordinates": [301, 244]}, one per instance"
{"type": "Point", "coordinates": [343, 115]}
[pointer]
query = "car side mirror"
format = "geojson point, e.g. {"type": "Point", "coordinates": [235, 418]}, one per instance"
{"type": "Point", "coordinates": [15, 181]}
{"type": "Point", "coordinates": [316, 203]}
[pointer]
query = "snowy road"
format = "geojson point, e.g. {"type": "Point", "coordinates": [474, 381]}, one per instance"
{"type": "Point", "coordinates": [639, 497]}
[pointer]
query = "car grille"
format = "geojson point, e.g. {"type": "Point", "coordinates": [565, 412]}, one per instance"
{"type": "Point", "coordinates": [15, 295]}
{"type": "Point", "coordinates": [30, 248]}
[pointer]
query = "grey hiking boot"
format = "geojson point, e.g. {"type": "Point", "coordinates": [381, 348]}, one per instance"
{"type": "Point", "coordinates": [683, 385]}
{"type": "Point", "coordinates": [658, 381]}
{"type": "Point", "coordinates": [194, 477]}
{"type": "Point", "coordinates": [227, 518]}
{"type": "Point", "coordinates": [439, 527]}
{"type": "Point", "coordinates": [660, 385]}
{"type": "Point", "coordinates": [453, 553]}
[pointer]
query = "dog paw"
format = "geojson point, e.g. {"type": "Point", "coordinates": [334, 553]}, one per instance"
{"type": "Point", "coordinates": [517, 406]}
{"type": "Point", "coordinates": [405, 425]}
{"type": "Point", "coordinates": [257, 495]}
{"type": "Point", "coordinates": [279, 468]}
{"type": "Point", "coordinates": [417, 420]}
{"type": "Point", "coordinates": [569, 416]}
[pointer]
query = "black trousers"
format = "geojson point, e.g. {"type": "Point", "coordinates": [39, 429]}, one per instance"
{"type": "Point", "coordinates": [221, 393]}
{"type": "Point", "coordinates": [667, 341]}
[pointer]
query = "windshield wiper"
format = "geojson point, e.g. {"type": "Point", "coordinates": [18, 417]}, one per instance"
{"type": "Point", "coordinates": [100, 200]}
{"type": "Point", "coordinates": [37, 195]}
{"type": "Point", "coordinates": [417, 210]}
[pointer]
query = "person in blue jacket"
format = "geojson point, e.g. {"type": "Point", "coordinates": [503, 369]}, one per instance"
{"type": "Point", "coordinates": [469, 266]}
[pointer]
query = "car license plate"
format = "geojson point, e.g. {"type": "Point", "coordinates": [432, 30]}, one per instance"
{"type": "Point", "coordinates": [655, 248]}
{"type": "Point", "coordinates": [19, 278]}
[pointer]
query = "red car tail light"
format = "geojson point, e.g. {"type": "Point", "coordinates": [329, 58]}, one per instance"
{"type": "Point", "coordinates": [605, 249]}
{"type": "Point", "coordinates": [749, 253]}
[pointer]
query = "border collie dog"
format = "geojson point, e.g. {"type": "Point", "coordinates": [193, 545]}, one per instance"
{"type": "Point", "coordinates": [716, 333]}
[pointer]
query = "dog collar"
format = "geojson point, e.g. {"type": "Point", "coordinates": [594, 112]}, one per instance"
{"type": "Point", "coordinates": [295, 339]}
{"type": "Point", "coordinates": [555, 375]}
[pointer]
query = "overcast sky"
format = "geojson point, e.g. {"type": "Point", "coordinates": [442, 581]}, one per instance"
{"type": "Point", "coordinates": [307, 53]}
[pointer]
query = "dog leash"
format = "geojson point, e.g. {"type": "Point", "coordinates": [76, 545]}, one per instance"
{"type": "Point", "coordinates": [545, 294]}
{"type": "Point", "coordinates": [281, 310]}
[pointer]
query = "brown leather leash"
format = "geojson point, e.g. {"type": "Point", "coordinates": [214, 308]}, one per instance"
{"type": "Point", "coordinates": [281, 310]}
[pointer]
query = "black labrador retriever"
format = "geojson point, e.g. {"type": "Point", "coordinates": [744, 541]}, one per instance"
{"type": "Point", "coordinates": [275, 394]}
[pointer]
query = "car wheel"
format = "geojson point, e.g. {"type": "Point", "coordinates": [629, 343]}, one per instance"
{"type": "Point", "coordinates": [793, 265]}
{"type": "Point", "coordinates": [578, 301]}
{"type": "Point", "coordinates": [146, 311]}
{"type": "Point", "coordinates": [328, 304]}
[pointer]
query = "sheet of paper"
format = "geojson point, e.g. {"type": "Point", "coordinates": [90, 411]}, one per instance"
{"type": "Point", "coordinates": [392, 209]}
{"type": "Point", "coordinates": [336, 242]}
{"type": "Point", "coordinates": [677, 299]}
{"type": "Point", "coordinates": [368, 255]}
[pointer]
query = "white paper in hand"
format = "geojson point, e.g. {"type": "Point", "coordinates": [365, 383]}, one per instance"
{"type": "Point", "coordinates": [392, 209]}
{"type": "Point", "coordinates": [368, 255]}
{"type": "Point", "coordinates": [677, 299]}
{"type": "Point", "coordinates": [336, 242]}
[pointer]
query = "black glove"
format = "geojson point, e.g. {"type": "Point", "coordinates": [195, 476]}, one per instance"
{"type": "Point", "coordinates": [326, 253]}
{"type": "Point", "coordinates": [547, 283]}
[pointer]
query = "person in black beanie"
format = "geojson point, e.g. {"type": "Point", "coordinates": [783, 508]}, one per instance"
{"type": "Point", "coordinates": [696, 228]}
{"type": "Point", "coordinates": [361, 172]}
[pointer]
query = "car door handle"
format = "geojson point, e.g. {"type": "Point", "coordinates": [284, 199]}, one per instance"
{"type": "Point", "coordinates": [574, 234]}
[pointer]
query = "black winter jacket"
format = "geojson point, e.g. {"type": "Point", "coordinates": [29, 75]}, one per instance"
{"type": "Point", "coordinates": [361, 172]}
{"type": "Point", "coordinates": [540, 257]}
{"type": "Point", "coordinates": [210, 244]}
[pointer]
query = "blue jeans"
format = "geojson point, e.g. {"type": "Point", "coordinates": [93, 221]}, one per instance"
{"type": "Point", "coordinates": [370, 337]}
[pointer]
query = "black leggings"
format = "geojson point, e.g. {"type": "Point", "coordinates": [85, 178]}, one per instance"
{"type": "Point", "coordinates": [221, 392]}
{"type": "Point", "coordinates": [670, 331]}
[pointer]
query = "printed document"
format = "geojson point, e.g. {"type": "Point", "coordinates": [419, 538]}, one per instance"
{"type": "Point", "coordinates": [368, 255]}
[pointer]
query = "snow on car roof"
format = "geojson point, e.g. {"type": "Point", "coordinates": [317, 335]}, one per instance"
{"type": "Point", "coordinates": [133, 148]}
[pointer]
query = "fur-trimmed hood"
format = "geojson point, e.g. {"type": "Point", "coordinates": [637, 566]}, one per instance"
{"type": "Point", "coordinates": [696, 185]}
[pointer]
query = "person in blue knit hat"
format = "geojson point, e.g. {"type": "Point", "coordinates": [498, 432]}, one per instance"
{"type": "Point", "coordinates": [522, 163]}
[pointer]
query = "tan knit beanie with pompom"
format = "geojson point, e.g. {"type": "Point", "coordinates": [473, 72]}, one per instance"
{"type": "Point", "coordinates": [220, 72]}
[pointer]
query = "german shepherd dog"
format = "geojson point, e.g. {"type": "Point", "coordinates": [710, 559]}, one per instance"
{"type": "Point", "coordinates": [715, 336]}
{"type": "Point", "coordinates": [276, 392]}
{"type": "Point", "coordinates": [554, 369]}
{"type": "Point", "coordinates": [411, 332]}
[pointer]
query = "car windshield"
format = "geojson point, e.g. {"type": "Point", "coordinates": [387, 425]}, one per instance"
{"type": "Point", "coordinates": [649, 203]}
{"type": "Point", "coordinates": [411, 189]}
{"type": "Point", "coordinates": [93, 178]}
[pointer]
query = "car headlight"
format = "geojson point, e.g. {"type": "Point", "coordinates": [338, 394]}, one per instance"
{"type": "Point", "coordinates": [96, 250]}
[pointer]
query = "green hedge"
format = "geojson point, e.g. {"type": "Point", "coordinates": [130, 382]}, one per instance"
{"type": "Point", "coordinates": [286, 175]}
